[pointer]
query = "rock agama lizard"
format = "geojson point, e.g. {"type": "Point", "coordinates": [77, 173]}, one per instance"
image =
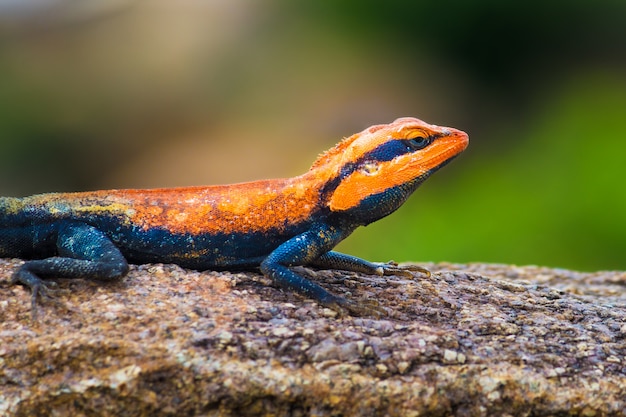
{"type": "Point", "coordinates": [271, 224]}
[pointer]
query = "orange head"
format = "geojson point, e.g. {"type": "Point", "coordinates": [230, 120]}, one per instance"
{"type": "Point", "coordinates": [373, 172]}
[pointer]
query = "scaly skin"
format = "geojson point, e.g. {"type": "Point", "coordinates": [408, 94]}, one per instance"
{"type": "Point", "coordinates": [271, 224]}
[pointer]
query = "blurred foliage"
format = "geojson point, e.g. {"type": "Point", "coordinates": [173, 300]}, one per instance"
{"type": "Point", "coordinates": [554, 197]}
{"type": "Point", "coordinates": [110, 94]}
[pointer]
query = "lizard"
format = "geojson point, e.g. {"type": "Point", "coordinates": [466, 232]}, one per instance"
{"type": "Point", "coordinates": [271, 225]}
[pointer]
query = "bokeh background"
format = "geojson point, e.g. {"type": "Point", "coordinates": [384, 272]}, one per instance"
{"type": "Point", "coordinates": [124, 93]}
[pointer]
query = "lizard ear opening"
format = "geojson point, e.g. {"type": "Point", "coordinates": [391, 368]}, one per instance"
{"type": "Point", "coordinates": [369, 168]}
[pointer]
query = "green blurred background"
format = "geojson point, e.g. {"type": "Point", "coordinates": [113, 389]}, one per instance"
{"type": "Point", "coordinates": [121, 93]}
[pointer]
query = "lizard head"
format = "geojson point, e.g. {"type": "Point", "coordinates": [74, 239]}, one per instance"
{"type": "Point", "coordinates": [376, 170]}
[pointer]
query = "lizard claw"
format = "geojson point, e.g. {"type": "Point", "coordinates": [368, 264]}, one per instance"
{"type": "Point", "coordinates": [392, 268]}
{"type": "Point", "coordinates": [46, 293]}
{"type": "Point", "coordinates": [40, 290]}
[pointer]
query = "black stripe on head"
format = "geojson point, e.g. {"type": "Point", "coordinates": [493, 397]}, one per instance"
{"type": "Point", "coordinates": [390, 150]}
{"type": "Point", "coordinates": [396, 147]}
{"type": "Point", "coordinates": [387, 151]}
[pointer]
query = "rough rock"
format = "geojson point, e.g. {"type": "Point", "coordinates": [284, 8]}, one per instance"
{"type": "Point", "coordinates": [470, 340]}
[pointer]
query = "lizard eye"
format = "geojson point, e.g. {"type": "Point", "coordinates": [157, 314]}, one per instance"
{"type": "Point", "coordinates": [418, 143]}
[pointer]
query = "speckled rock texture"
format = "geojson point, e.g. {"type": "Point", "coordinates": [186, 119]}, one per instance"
{"type": "Point", "coordinates": [471, 340]}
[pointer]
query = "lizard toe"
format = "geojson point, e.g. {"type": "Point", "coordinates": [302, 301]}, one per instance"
{"type": "Point", "coordinates": [408, 271]}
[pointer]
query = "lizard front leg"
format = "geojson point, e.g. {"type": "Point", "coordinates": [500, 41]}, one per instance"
{"type": "Point", "coordinates": [306, 249]}
{"type": "Point", "coordinates": [82, 252]}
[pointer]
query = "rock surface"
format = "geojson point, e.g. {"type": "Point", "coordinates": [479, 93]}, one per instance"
{"type": "Point", "coordinates": [470, 340]}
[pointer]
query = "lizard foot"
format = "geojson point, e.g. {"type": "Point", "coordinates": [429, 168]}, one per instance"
{"type": "Point", "coordinates": [40, 290]}
{"type": "Point", "coordinates": [392, 268]}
